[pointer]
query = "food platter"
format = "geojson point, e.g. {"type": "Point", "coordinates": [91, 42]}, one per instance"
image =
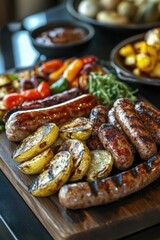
{"type": "Point", "coordinates": [72, 6]}
{"type": "Point", "coordinates": [96, 222]}
{"type": "Point", "coordinates": [109, 220]}
{"type": "Point", "coordinates": [122, 71]}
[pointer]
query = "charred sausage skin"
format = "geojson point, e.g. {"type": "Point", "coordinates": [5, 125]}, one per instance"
{"type": "Point", "coordinates": [133, 127]}
{"type": "Point", "coordinates": [112, 120]}
{"type": "Point", "coordinates": [99, 192]}
{"type": "Point", "coordinates": [116, 143]}
{"type": "Point", "coordinates": [20, 124]}
{"type": "Point", "coordinates": [98, 116]}
{"type": "Point", "coordinates": [150, 117]}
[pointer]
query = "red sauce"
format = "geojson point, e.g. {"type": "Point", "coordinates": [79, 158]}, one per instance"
{"type": "Point", "coordinates": [61, 36]}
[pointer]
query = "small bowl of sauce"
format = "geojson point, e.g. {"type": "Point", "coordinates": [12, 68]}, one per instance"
{"type": "Point", "coordinates": [62, 39]}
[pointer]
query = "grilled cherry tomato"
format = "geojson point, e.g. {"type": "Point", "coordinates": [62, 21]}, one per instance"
{"type": "Point", "coordinates": [31, 94]}
{"type": "Point", "coordinates": [88, 59]}
{"type": "Point", "coordinates": [51, 66]}
{"type": "Point", "coordinates": [13, 100]}
{"type": "Point", "coordinates": [44, 89]}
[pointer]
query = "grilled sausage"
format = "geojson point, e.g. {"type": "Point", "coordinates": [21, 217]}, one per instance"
{"type": "Point", "coordinates": [151, 119]}
{"type": "Point", "coordinates": [20, 124]}
{"type": "Point", "coordinates": [93, 142]}
{"type": "Point", "coordinates": [98, 116]}
{"type": "Point", "coordinates": [85, 194]}
{"type": "Point", "coordinates": [133, 127]}
{"type": "Point", "coordinates": [52, 100]}
{"type": "Point", "coordinates": [113, 121]}
{"type": "Point", "coordinates": [46, 102]}
{"type": "Point", "coordinates": [116, 143]}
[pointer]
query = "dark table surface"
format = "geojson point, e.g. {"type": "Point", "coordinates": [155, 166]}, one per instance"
{"type": "Point", "coordinates": [16, 219]}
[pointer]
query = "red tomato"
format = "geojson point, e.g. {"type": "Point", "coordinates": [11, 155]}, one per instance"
{"type": "Point", "coordinates": [44, 89]}
{"type": "Point", "coordinates": [88, 59]}
{"type": "Point", "coordinates": [13, 100]}
{"type": "Point", "coordinates": [31, 94]}
{"type": "Point", "coordinates": [51, 65]}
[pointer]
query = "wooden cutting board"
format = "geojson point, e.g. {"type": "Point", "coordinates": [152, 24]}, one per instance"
{"type": "Point", "coordinates": [112, 221]}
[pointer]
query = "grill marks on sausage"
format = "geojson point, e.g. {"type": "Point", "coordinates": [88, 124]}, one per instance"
{"type": "Point", "coordinates": [98, 116]}
{"type": "Point", "coordinates": [20, 124]}
{"type": "Point", "coordinates": [133, 127]}
{"type": "Point", "coordinates": [151, 119]}
{"type": "Point", "coordinates": [116, 143]}
{"type": "Point", "coordinates": [112, 188]}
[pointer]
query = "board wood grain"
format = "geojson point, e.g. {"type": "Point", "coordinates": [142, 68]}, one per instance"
{"type": "Point", "coordinates": [115, 220]}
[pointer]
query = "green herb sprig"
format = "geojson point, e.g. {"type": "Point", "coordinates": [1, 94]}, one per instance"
{"type": "Point", "coordinates": [108, 89]}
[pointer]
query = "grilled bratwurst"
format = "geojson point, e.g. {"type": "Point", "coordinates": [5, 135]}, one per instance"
{"type": "Point", "coordinates": [133, 127]}
{"type": "Point", "coordinates": [151, 119]}
{"type": "Point", "coordinates": [89, 194]}
{"type": "Point", "coordinates": [20, 124]}
{"type": "Point", "coordinates": [116, 143]}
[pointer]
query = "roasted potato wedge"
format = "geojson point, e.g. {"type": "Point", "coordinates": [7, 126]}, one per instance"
{"type": "Point", "coordinates": [4, 80]}
{"type": "Point", "coordinates": [79, 128]}
{"type": "Point", "coordinates": [81, 157]}
{"type": "Point", "coordinates": [100, 166]}
{"type": "Point", "coordinates": [37, 163]}
{"type": "Point", "coordinates": [3, 110]}
{"type": "Point", "coordinates": [52, 179]}
{"type": "Point", "coordinates": [36, 143]}
{"type": "Point", "coordinates": [56, 145]}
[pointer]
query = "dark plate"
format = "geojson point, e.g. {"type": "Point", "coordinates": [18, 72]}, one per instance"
{"type": "Point", "coordinates": [122, 72]}
{"type": "Point", "coordinates": [65, 50]}
{"type": "Point", "coordinates": [72, 6]}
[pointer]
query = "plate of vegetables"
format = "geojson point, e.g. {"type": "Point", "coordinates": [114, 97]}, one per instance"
{"type": "Point", "coordinates": [136, 59]}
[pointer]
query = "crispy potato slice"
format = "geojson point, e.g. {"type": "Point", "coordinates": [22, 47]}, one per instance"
{"type": "Point", "coordinates": [4, 80]}
{"type": "Point", "coordinates": [36, 143]}
{"type": "Point", "coordinates": [100, 166]}
{"type": "Point", "coordinates": [81, 157]}
{"type": "Point", "coordinates": [52, 179]}
{"type": "Point", "coordinates": [79, 128]}
{"type": "Point", "coordinates": [3, 110]}
{"type": "Point", "coordinates": [37, 163]}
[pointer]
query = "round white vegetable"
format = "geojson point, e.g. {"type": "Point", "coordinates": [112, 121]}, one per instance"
{"type": "Point", "coordinates": [88, 8]}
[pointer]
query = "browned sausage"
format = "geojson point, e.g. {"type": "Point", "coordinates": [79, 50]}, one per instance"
{"type": "Point", "coordinates": [116, 143]}
{"type": "Point", "coordinates": [151, 118]}
{"type": "Point", "coordinates": [85, 194]}
{"type": "Point", "coordinates": [98, 115]}
{"type": "Point", "coordinates": [112, 120]}
{"type": "Point", "coordinates": [93, 142]}
{"type": "Point", "coordinates": [20, 124]}
{"type": "Point", "coordinates": [133, 127]}
{"type": "Point", "coordinates": [46, 102]}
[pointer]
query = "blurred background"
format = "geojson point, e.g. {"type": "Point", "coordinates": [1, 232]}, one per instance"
{"type": "Point", "coordinates": [15, 10]}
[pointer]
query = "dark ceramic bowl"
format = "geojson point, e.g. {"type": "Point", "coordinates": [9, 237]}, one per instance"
{"type": "Point", "coordinates": [65, 49]}
{"type": "Point", "coordinates": [122, 71]}
{"type": "Point", "coordinates": [72, 6]}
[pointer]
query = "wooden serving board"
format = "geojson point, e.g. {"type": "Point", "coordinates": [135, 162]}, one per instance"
{"type": "Point", "coordinates": [112, 221]}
